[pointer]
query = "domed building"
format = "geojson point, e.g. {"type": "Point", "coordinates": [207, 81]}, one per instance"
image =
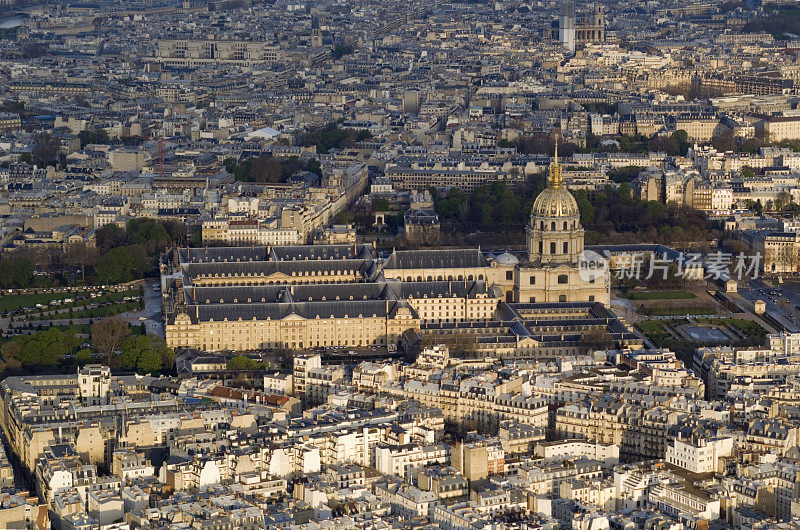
{"type": "Point", "coordinates": [555, 234]}
{"type": "Point", "coordinates": [555, 244]}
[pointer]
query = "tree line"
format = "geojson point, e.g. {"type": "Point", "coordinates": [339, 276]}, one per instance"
{"type": "Point", "coordinates": [116, 341]}
{"type": "Point", "coordinates": [120, 255]}
{"type": "Point", "coordinates": [267, 169]}
{"type": "Point", "coordinates": [676, 144]}
{"type": "Point", "coordinates": [610, 215]}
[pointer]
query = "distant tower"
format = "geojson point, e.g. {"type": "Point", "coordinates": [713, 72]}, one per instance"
{"type": "Point", "coordinates": [594, 26]}
{"type": "Point", "coordinates": [316, 34]}
{"type": "Point", "coordinates": [566, 27]}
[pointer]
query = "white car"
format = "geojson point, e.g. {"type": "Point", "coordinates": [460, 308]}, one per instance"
{"type": "Point", "coordinates": [142, 319]}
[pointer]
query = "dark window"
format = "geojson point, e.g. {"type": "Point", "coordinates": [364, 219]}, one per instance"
{"type": "Point", "coordinates": [562, 298]}
{"type": "Point", "coordinates": [533, 280]}
{"type": "Point", "coordinates": [509, 275]}
{"type": "Point", "coordinates": [566, 247]}
{"type": "Point", "coordinates": [533, 299]}
{"type": "Point", "coordinates": [552, 248]}
{"type": "Point", "coordinates": [591, 298]}
{"type": "Point", "coordinates": [563, 278]}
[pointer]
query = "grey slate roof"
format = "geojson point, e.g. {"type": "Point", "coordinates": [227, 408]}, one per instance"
{"type": "Point", "coordinates": [432, 259]}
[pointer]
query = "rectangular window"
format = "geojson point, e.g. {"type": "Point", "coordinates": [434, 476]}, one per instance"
{"type": "Point", "coordinates": [533, 299]}
{"type": "Point", "coordinates": [509, 275]}
{"type": "Point", "coordinates": [533, 280]}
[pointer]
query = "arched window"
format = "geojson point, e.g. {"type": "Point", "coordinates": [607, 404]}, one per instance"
{"type": "Point", "coordinates": [540, 247]}
{"type": "Point", "coordinates": [566, 247]}
{"type": "Point", "coordinates": [541, 225]}
{"type": "Point", "coordinates": [553, 247]}
{"type": "Point", "coordinates": [563, 278]}
{"type": "Point", "coordinates": [565, 225]}
{"type": "Point", "coordinates": [553, 225]}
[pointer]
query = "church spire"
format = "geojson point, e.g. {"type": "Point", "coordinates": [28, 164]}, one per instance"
{"type": "Point", "coordinates": [554, 180]}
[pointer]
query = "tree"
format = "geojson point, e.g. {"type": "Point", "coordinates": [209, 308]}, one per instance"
{"type": "Point", "coordinates": [341, 49]}
{"type": "Point", "coordinates": [782, 200]}
{"type": "Point", "coordinates": [131, 349]}
{"type": "Point", "coordinates": [381, 205]}
{"type": "Point", "coordinates": [331, 137]}
{"type": "Point", "coordinates": [176, 230]}
{"type": "Point", "coordinates": [110, 236]}
{"type": "Point", "coordinates": [99, 136]}
{"type": "Point", "coordinates": [266, 169]}
{"type": "Point", "coordinates": [241, 362]}
{"type": "Point", "coordinates": [149, 362]}
{"type": "Point", "coordinates": [584, 207]}
{"type": "Point", "coordinates": [115, 266]}
{"type": "Point", "coordinates": [45, 347]}
{"type": "Point", "coordinates": [83, 356]}
{"type": "Point", "coordinates": [625, 192]}
{"type": "Point", "coordinates": [314, 167]}
{"type": "Point", "coordinates": [33, 50]}
{"type": "Point", "coordinates": [11, 352]}
{"type": "Point", "coordinates": [167, 358]}
{"type": "Point", "coordinates": [597, 339]}
{"type": "Point", "coordinates": [16, 273]}
{"type": "Point", "coordinates": [143, 230]}
{"type": "Point", "coordinates": [107, 334]}
{"type": "Point", "coordinates": [46, 148]}
{"type": "Point", "coordinates": [625, 174]}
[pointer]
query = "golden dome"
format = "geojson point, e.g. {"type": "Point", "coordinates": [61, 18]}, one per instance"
{"type": "Point", "coordinates": [555, 200]}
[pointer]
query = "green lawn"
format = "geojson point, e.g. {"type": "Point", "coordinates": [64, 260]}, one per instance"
{"type": "Point", "coordinates": [756, 335]}
{"type": "Point", "coordinates": [10, 302]}
{"type": "Point", "coordinates": [110, 297]}
{"type": "Point", "coordinates": [659, 295]}
{"type": "Point", "coordinates": [13, 302]}
{"type": "Point", "coordinates": [96, 312]}
{"type": "Point", "coordinates": [106, 311]}
{"type": "Point", "coordinates": [655, 329]}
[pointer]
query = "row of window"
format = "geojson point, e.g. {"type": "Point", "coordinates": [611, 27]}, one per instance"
{"type": "Point", "coordinates": [553, 225]}
{"type": "Point", "coordinates": [553, 247]}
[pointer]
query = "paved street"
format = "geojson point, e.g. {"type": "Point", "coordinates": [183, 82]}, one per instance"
{"type": "Point", "coordinates": [787, 314]}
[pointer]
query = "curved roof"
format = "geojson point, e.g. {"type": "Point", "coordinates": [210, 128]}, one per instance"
{"type": "Point", "coordinates": [555, 202]}
{"type": "Point", "coordinates": [506, 259]}
{"type": "Point", "coordinates": [266, 133]}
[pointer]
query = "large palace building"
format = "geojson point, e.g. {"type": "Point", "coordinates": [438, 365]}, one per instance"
{"type": "Point", "coordinates": [317, 296]}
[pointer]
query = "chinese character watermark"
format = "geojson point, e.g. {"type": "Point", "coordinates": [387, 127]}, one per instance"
{"type": "Point", "coordinates": [717, 265]}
